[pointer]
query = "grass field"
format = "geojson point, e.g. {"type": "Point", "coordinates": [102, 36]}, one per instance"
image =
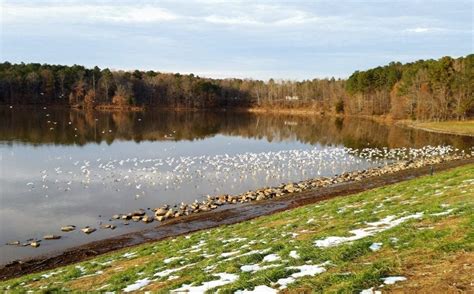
{"type": "Point", "coordinates": [415, 235]}
{"type": "Point", "coordinates": [452, 127]}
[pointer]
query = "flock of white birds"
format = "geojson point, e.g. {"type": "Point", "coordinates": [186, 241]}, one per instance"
{"type": "Point", "coordinates": [217, 174]}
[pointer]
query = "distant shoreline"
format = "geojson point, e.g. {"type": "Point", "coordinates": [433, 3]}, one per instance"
{"type": "Point", "coordinates": [459, 128]}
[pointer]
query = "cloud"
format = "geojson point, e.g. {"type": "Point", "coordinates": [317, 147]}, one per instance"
{"type": "Point", "coordinates": [68, 13]}
{"type": "Point", "coordinates": [419, 30]}
{"type": "Point", "coordinates": [228, 20]}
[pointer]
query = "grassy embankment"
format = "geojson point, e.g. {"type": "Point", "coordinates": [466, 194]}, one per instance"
{"type": "Point", "coordinates": [426, 236]}
{"type": "Point", "coordinates": [447, 127]}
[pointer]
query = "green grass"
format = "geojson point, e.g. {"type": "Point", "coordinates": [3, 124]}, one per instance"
{"type": "Point", "coordinates": [411, 249]}
{"type": "Point", "coordinates": [455, 127]}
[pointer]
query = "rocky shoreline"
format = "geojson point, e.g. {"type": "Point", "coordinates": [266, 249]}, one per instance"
{"type": "Point", "coordinates": [213, 202]}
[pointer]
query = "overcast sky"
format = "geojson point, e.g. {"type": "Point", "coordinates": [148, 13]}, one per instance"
{"type": "Point", "coordinates": [247, 39]}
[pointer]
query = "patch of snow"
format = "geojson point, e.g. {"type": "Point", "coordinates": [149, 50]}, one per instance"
{"type": "Point", "coordinates": [227, 254]}
{"type": "Point", "coordinates": [234, 240]}
{"type": "Point", "coordinates": [262, 289]}
{"type": "Point", "coordinates": [173, 278]}
{"type": "Point", "coordinates": [271, 258]}
{"type": "Point", "coordinates": [393, 280]}
{"type": "Point", "coordinates": [375, 246]}
{"type": "Point", "coordinates": [50, 274]}
{"type": "Point", "coordinates": [373, 228]}
{"type": "Point", "coordinates": [224, 279]}
{"type": "Point", "coordinates": [304, 270]}
{"type": "Point", "coordinates": [256, 267]}
{"type": "Point", "coordinates": [129, 254]}
{"type": "Point", "coordinates": [370, 291]}
{"type": "Point", "coordinates": [294, 254]}
{"type": "Point", "coordinates": [168, 272]}
{"type": "Point", "coordinates": [81, 269]}
{"type": "Point", "coordinates": [137, 285]}
{"type": "Point", "coordinates": [171, 259]}
{"type": "Point", "coordinates": [443, 213]}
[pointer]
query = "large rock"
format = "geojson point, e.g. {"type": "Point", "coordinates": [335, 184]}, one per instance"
{"type": "Point", "coordinates": [68, 228]}
{"type": "Point", "coordinates": [139, 212]}
{"type": "Point", "coordinates": [160, 212]}
{"type": "Point", "coordinates": [260, 197]}
{"type": "Point", "coordinates": [147, 219]}
{"type": "Point", "coordinates": [88, 230]}
{"type": "Point", "coordinates": [52, 237]}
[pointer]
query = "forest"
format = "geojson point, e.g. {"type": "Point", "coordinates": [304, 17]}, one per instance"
{"type": "Point", "coordinates": [424, 90]}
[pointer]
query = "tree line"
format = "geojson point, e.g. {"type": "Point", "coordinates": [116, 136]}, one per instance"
{"type": "Point", "coordinates": [426, 89]}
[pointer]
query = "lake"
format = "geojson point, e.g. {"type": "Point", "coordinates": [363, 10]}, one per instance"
{"type": "Point", "coordinates": [65, 166]}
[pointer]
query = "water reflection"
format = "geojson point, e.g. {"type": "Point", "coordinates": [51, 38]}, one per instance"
{"type": "Point", "coordinates": [60, 126]}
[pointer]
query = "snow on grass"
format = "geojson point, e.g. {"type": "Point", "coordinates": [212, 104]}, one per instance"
{"type": "Point", "coordinates": [294, 254]}
{"type": "Point", "coordinates": [224, 279]}
{"type": "Point", "coordinates": [393, 280]}
{"type": "Point", "coordinates": [234, 240]}
{"type": "Point", "coordinates": [168, 272]}
{"type": "Point", "coordinates": [373, 228]}
{"type": "Point", "coordinates": [227, 254]}
{"type": "Point", "coordinates": [271, 258]}
{"type": "Point", "coordinates": [137, 285]}
{"type": "Point", "coordinates": [443, 213]}
{"type": "Point", "coordinates": [370, 291]}
{"type": "Point", "coordinates": [375, 246]}
{"type": "Point", "coordinates": [171, 259]}
{"type": "Point", "coordinates": [256, 267]}
{"type": "Point", "coordinates": [130, 255]}
{"type": "Point", "coordinates": [262, 289]}
{"type": "Point", "coordinates": [304, 270]}
{"type": "Point", "coordinates": [50, 274]}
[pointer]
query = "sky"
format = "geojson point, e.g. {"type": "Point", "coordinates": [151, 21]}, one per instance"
{"type": "Point", "coordinates": [246, 39]}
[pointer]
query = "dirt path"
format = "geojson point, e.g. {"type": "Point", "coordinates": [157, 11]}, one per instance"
{"type": "Point", "coordinates": [228, 214]}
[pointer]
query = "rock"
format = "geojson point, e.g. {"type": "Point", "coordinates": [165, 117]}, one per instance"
{"type": "Point", "coordinates": [108, 226]}
{"type": "Point", "coordinates": [116, 216]}
{"type": "Point", "coordinates": [147, 219]}
{"type": "Point", "coordinates": [127, 216]}
{"type": "Point", "coordinates": [136, 218]}
{"type": "Point", "coordinates": [52, 237]}
{"type": "Point", "coordinates": [260, 197]}
{"type": "Point", "coordinates": [289, 188]}
{"type": "Point", "coordinates": [35, 244]}
{"type": "Point", "coordinates": [139, 212]}
{"type": "Point", "coordinates": [160, 218]}
{"type": "Point", "coordinates": [88, 230]}
{"type": "Point", "coordinates": [169, 214]}
{"type": "Point", "coordinates": [13, 243]}
{"type": "Point", "coordinates": [160, 212]}
{"type": "Point", "coordinates": [68, 228]}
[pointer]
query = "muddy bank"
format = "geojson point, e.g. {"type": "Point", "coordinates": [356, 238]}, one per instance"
{"type": "Point", "coordinates": [223, 215]}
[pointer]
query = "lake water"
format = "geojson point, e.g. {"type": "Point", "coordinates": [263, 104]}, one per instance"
{"type": "Point", "coordinates": [61, 166]}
